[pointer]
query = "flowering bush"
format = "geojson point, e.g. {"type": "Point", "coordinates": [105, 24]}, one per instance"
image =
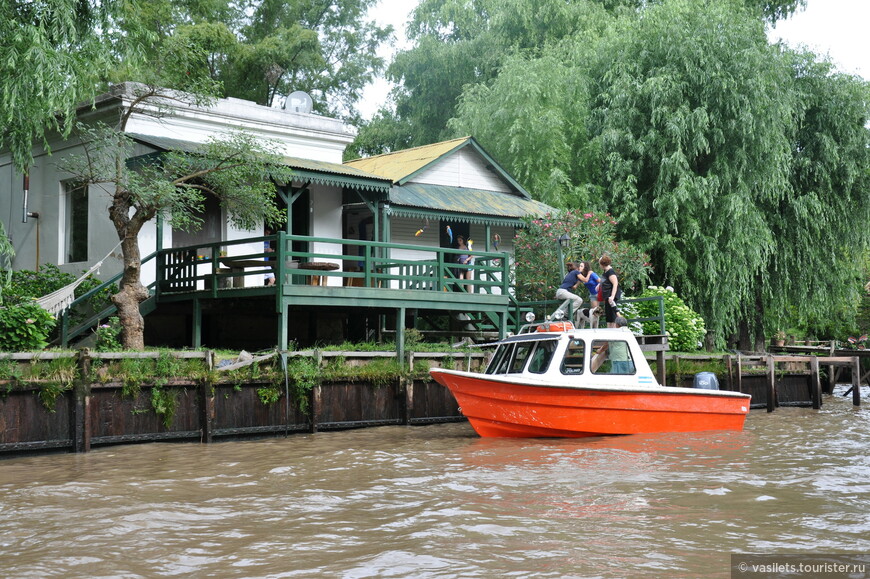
{"type": "Point", "coordinates": [24, 327]}
{"type": "Point", "coordinates": [109, 336]}
{"type": "Point", "coordinates": [590, 236]}
{"type": "Point", "coordinates": [684, 327]}
{"type": "Point", "coordinates": [853, 343]}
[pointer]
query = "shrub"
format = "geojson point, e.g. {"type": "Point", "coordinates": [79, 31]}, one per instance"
{"type": "Point", "coordinates": [24, 327]}
{"type": "Point", "coordinates": [25, 285]}
{"type": "Point", "coordinates": [684, 327]}
{"type": "Point", "coordinates": [109, 336]}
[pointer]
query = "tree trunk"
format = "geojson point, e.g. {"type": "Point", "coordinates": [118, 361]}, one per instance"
{"type": "Point", "coordinates": [131, 294]}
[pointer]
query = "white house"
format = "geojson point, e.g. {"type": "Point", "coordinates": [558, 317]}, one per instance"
{"type": "Point", "coordinates": [56, 222]}
{"type": "Point", "coordinates": [402, 208]}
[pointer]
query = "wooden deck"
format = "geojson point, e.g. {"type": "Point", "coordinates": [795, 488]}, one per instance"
{"type": "Point", "coordinates": [348, 275]}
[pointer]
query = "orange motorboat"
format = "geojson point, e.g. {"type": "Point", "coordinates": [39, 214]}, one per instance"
{"type": "Point", "coordinates": [574, 383]}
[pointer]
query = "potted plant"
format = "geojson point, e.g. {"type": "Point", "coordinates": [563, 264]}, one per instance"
{"type": "Point", "coordinates": [779, 338]}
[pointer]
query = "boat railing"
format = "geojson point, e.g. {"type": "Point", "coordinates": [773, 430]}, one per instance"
{"type": "Point", "coordinates": [541, 309]}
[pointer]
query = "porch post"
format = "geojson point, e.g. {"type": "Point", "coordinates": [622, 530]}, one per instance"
{"type": "Point", "coordinates": [289, 195]}
{"type": "Point", "coordinates": [159, 233]}
{"type": "Point", "coordinates": [386, 236]}
{"type": "Point", "coordinates": [197, 323]}
{"type": "Point", "coordinates": [282, 323]}
{"type": "Point", "coordinates": [400, 335]}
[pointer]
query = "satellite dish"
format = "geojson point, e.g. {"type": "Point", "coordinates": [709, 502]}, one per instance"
{"type": "Point", "coordinates": [298, 102]}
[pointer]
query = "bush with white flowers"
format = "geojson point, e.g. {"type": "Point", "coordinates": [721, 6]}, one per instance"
{"type": "Point", "coordinates": [685, 327]}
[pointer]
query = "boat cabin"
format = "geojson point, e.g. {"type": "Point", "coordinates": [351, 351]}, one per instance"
{"type": "Point", "coordinates": [610, 356]}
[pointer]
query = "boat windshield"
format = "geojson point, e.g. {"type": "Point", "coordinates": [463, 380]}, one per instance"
{"type": "Point", "coordinates": [511, 358]}
{"type": "Point", "coordinates": [612, 357]}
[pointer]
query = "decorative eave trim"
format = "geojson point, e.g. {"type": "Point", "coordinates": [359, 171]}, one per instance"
{"type": "Point", "coordinates": [417, 213]}
{"type": "Point", "coordinates": [328, 179]}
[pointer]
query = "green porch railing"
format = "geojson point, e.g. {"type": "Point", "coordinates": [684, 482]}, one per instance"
{"type": "Point", "coordinates": [227, 264]}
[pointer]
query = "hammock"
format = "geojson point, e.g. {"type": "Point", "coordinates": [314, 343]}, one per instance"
{"type": "Point", "coordinates": [59, 300]}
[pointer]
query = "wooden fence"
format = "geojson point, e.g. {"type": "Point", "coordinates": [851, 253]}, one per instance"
{"type": "Point", "coordinates": [775, 381]}
{"type": "Point", "coordinates": [39, 414]}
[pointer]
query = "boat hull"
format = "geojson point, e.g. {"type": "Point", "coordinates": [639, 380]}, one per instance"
{"type": "Point", "coordinates": [498, 408]}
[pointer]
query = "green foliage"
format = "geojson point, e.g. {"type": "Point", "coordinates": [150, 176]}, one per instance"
{"type": "Point", "coordinates": [270, 393]}
{"type": "Point", "coordinates": [591, 236]}
{"type": "Point", "coordinates": [726, 161]}
{"type": "Point", "coordinates": [165, 403]}
{"type": "Point", "coordinates": [684, 327]}
{"type": "Point", "coordinates": [109, 336]}
{"type": "Point", "coordinates": [52, 57]}
{"type": "Point", "coordinates": [260, 50]}
{"type": "Point", "coordinates": [729, 161]}
{"type": "Point", "coordinates": [378, 371]}
{"type": "Point", "coordinates": [421, 369]}
{"type": "Point", "coordinates": [24, 327]}
{"type": "Point", "coordinates": [49, 393]}
{"type": "Point", "coordinates": [9, 370]}
{"type": "Point", "coordinates": [303, 374]}
{"type": "Point", "coordinates": [132, 372]}
{"type": "Point", "coordinates": [448, 363]}
{"type": "Point", "coordinates": [56, 376]}
{"type": "Point", "coordinates": [25, 285]}
{"type": "Point", "coordinates": [543, 137]}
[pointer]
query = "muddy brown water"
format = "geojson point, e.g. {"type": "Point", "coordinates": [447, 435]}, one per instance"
{"type": "Point", "coordinates": [437, 501]}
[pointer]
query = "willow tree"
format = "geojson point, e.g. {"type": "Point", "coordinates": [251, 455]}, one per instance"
{"type": "Point", "coordinates": [819, 225]}
{"type": "Point", "coordinates": [723, 160]}
{"type": "Point", "coordinates": [462, 46]}
{"type": "Point", "coordinates": [236, 169]}
{"type": "Point", "coordinates": [51, 59]}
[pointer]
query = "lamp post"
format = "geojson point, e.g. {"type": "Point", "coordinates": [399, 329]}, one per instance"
{"type": "Point", "coordinates": [563, 242]}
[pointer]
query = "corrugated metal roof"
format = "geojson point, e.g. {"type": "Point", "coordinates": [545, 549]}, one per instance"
{"type": "Point", "coordinates": [335, 174]}
{"type": "Point", "coordinates": [464, 200]}
{"type": "Point", "coordinates": [398, 165]}
{"type": "Point", "coordinates": [322, 172]}
{"type": "Point", "coordinates": [335, 168]}
{"type": "Point", "coordinates": [167, 144]}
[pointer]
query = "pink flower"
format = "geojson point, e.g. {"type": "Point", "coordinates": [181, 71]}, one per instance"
{"type": "Point", "coordinates": [29, 321]}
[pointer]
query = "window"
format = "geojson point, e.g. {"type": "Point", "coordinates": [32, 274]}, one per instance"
{"type": "Point", "coordinates": [523, 349]}
{"type": "Point", "coordinates": [542, 356]}
{"type": "Point", "coordinates": [76, 222]}
{"type": "Point", "coordinates": [497, 364]}
{"type": "Point", "coordinates": [612, 357]}
{"type": "Point", "coordinates": [512, 358]}
{"type": "Point", "coordinates": [573, 361]}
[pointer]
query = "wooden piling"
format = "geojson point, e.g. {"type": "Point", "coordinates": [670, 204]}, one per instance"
{"type": "Point", "coordinates": [771, 384]}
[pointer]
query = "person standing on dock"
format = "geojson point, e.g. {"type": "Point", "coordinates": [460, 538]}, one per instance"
{"type": "Point", "coordinates": [610, 291]}
{"type": "Point", "coordinates": [571, 282]}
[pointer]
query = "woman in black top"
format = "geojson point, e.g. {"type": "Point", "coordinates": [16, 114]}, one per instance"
{"type": "Point", "coordinates": [610, 291]}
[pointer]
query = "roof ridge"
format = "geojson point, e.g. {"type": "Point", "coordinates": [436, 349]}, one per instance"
{"type": "Point", "coordinates": [409, 150]}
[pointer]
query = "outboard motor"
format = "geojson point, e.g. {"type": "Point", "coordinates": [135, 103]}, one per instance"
{"type": "Point", "coordinates": [706, 381]}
